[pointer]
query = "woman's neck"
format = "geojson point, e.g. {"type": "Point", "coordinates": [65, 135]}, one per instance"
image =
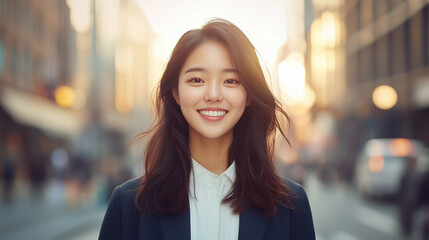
{"type": "Point", "coordinates": [212, 154]}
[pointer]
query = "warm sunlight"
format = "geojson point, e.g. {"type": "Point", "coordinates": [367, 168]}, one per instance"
{"type": "Point", "coordinates": [264, 24]}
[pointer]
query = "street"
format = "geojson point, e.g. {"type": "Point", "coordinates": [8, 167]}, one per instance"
{"type": "Point", "coordinates": [340, 213]}
{"type": "Point", "coordinates": [48, 217]}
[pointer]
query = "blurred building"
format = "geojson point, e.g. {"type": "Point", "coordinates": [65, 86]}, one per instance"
{"type": "Point", "coordinates": [325, 55]}
{"type": "Point", "coordinates": [387, 44]}
{"type": "Point", "coordinates": [119, 46]}
{"type": "Point", "coordinates": [356, 46]}
{"type": "Point", "coordinates": [75, 75]}
{"type": "Point", "coordinates": [34, 62]}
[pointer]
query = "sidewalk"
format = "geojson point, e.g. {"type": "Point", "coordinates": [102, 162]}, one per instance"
{"type": "Point", "coordinates": [48, 217]}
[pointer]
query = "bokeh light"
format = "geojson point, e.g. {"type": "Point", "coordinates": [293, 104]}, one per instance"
{"type": "Point", "coordinates": [401, 147]}
{"type": "Point", "coordinates": [384, 97]}
{"type": "Point", "coordinates": [376, 164]}
{"type": "Point", "coordinates": [64, 96]}
{"type": "Point", "coordinates": [292, 78]}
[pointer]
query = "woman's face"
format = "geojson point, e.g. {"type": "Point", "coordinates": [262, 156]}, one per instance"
{"type": "Point", "coordinates": [210, 95]}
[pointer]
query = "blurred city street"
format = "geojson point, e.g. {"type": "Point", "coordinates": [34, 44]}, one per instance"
{"type": "Point", "coordinates": [352, 217]}
{"type": "Point", "coordinates": [48, 216]}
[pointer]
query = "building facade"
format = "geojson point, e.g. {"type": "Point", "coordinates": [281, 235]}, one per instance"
{"type": "Point", "coordinates": [77, 75]}
{"type": "Point", "coordinates": [354, 47]}
{"type": "Point", "coordinates": [388, 44]}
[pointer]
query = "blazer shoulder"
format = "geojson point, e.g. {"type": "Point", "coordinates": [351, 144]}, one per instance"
{"type": "Point", "coordinates": [130, 185]}
{"type": "Point", "coordinates": [300, 215]}
{"type": "Point", "coordinates": [121, 218]}
{"type": "Point", "coordinates": [296, 189]}
{"type": "Point", "coordinates": [126, 192]}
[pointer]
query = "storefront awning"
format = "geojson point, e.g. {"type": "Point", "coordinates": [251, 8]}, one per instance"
{"type": "Point", "coordinates": [41, 113]}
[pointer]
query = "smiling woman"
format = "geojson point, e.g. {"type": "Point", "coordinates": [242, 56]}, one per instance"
{"type": "Point", "coordinates": [209, 171]}
{"type": "Point", "coordinates": [212, 100]}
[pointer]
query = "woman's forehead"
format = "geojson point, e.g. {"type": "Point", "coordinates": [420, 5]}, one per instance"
{"type": "Point", "coordinates": [210, 55]}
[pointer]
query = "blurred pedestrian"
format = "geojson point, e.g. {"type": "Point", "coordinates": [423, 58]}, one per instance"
{"type": "Point", "coordinates": [424, 200]}
{"type": "Point", "coordinates": [79, 183]}
{"type": "Point", "coordinates": [10, 158]}
{"type": "Point", "coordinates": [209, 171]}
{"type": "Point", "coordinates": [414, 196]}
{"type": "Point", "coordinates": [38, 167]}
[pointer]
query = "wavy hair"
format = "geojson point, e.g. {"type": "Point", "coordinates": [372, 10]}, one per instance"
{"type": "Point", "coordinates": [164, 188]}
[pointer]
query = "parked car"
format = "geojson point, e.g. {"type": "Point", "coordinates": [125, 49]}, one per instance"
{"type": "Point", "coordinates": [383, 163]}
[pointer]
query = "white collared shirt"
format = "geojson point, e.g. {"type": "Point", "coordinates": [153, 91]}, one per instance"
{"type": "Point", "coordinates": [210, 219]}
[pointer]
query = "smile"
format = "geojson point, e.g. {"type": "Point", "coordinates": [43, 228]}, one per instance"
{"type": "Point", "coordinates": [212, 113]}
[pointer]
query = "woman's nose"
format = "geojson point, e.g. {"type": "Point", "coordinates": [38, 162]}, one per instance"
{"type": "Point", "coordinates": [214, 92]}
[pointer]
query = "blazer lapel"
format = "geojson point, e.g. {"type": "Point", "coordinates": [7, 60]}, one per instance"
{"type": "Point", "coordinates": [176, 226]}
{"type": "Point", "coordinates": [253, 224]}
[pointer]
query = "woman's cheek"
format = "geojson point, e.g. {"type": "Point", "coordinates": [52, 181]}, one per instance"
{"type": "Point", "coordinates": [238, 97]}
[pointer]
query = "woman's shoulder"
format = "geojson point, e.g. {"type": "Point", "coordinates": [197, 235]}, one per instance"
{"type": "Point", "coordinates": [125, 193]}
{"type": "Point", "coordinates": [297, 196]}
{"type": "Point", "coordinates": [301, 219]}
{"type": "Point", "coordinates": [131, 184]}
{"type": "Point", "coordinates": [121, 218]}
{"type": "Point", "coordinates": [296, 189]}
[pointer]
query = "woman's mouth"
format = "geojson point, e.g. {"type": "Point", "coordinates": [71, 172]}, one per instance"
{"type": "Point", "coordinates": [213, 115]}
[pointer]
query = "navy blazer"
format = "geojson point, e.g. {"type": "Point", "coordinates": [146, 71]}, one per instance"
{"type": "Point", "coordinates": [124, 221]}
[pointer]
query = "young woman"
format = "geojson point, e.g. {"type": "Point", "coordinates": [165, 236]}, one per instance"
{"type": "Point", "coordinates": [209, 171]}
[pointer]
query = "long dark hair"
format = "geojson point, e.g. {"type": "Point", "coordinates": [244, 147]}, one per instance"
{"type": "Point", "coordinates": [164, 188]}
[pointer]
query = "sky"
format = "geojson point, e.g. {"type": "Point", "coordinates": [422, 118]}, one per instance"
{"type": "Point", "coordinates": [264, 22]}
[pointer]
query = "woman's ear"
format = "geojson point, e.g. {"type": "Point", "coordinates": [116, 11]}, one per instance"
{"type": "Point", "coordinates": [175, 93]}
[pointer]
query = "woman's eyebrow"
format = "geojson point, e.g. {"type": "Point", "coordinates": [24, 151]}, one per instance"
{"type": "Point", "coordinates": [197, 69]}
{"type": "Point", "coordinates": [228, 70]}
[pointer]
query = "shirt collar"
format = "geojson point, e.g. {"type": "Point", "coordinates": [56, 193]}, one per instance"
{"type": "Point", "coordinates": [202, 172]}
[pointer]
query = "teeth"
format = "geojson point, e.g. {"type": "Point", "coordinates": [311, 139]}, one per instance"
{"type": "Point", "coordinates": [213, 113]}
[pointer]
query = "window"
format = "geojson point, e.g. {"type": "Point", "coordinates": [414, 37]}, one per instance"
{"type": "Point", "coordinates": [381, 7]}
{"type": "Point", "coordinates": [38, 26]}
{"type": "Point", "coordinates": [416, 40]}
{"type": "Point", "coordinates": [366, 64]}
{"type": "Point", "coordinates": [28, 21]}
{"type": "Point", "coordinates": [366, 12]}
{"type": "Point", "coordinates": [2, 56]}
{"type": "Point", "coordinates": [27, 67]}
{"type": "Point", "coordinates": [2, 8]}
{"type": "Point", "coordinates": [382, 57]}
{"type": "Point", "coordinates": [353, 69]}
{"type": "Point", "coordinates": [14, 61]}
{"type": "Point", "coordinates": [15, 12]}
{"type": "Point", "coordinates": [425, 33]}
{"type": "Point", "coordinates": [398, 50]}
{"type": "Point", "coordinates": [395, 3]}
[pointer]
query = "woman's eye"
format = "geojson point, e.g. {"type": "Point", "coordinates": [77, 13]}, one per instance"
{"type": "Point", "coordinates": [231, 81]}
{"type": "Point", "coordinates": [196, 80]}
